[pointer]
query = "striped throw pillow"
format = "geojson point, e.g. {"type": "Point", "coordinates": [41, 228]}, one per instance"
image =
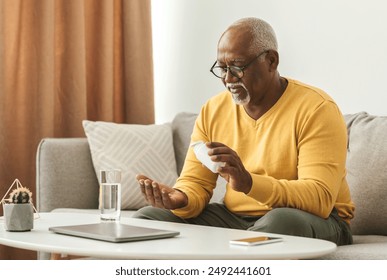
{"type": "Point", "coordinates": [134, 149]}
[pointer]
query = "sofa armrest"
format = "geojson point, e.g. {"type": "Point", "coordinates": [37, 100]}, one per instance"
{"type": "Point", "coordinates": [65, 176]}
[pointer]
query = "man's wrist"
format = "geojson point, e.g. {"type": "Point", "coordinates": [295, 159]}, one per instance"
{"type": "Point", "coordinates": [249, 184]}
{"type": "Point", "coordinates": [185, 197]}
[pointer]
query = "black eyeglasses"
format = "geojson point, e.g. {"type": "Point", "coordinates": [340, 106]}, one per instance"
{"type": "Point", "coordinates": [221, 72]}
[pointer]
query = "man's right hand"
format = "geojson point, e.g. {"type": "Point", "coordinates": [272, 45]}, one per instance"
{"type": "Point", "coordinates": [161, 196]}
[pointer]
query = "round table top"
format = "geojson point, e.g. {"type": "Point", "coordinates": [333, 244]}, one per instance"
{"type": "Point", "coordinates": [193, 242]}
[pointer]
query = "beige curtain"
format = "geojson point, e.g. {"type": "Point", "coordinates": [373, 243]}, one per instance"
{"type": "Point", "coordinates": [62, 61]}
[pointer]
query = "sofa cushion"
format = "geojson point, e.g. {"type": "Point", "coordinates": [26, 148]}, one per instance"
{"type": "Point", "coordinates": [134, 149]}
{"type": "Point", "coordinates": [364, 247]}
{"type": "Point", "coordinates": [366, 172]}
{"type": "Point", "coordinates": [62, 165]}
{"type": "Point", "coordinates": [182, 126]}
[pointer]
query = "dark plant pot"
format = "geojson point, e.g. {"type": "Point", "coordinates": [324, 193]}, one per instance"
{"type": "Point", "coordinates": [18, 217]}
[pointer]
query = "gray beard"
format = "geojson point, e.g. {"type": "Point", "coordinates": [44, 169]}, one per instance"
{"type": "Point", "coordinates": [238, 100]}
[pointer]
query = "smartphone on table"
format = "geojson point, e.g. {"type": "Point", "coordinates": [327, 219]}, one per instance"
{"type": "Point", "coordinates": [252, 241]}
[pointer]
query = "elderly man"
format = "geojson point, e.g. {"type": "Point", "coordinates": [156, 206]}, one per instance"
{"type": "Point", "coordinates": [283, 145]}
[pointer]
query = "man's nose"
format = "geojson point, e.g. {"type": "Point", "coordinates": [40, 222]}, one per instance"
{"type": "Point", "coordinates": [230, 78]}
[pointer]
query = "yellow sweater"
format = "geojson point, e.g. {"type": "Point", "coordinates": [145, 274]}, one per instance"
{"type": "Point", "coordinates": [295, 153]}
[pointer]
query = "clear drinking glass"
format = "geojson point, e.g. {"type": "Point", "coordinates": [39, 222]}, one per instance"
{"type": "Point", "coordinates": [110, 190]}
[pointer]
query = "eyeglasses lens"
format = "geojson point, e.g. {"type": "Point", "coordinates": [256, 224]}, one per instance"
{"type": "Point", "coordinates": [222, 72]}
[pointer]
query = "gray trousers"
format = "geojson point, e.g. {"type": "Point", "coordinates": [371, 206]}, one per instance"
{"type": "Point", "coordinates": [287, 221]}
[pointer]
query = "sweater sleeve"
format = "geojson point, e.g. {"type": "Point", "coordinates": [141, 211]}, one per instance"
{"type": "Point", "coordinates": [321, 145]}
{"type": "Point", "coordinates": [195, 180]}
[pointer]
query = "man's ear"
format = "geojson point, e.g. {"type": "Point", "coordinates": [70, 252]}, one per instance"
{"type": "Point", "coordinates": [273, 58]}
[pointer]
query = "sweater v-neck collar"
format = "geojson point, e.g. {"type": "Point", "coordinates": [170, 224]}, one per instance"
{"type": "Point", "coordinates": [255, 123]}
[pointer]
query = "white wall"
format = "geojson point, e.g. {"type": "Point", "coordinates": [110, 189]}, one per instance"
{"type": "Point", "coordinates": [337, 45]}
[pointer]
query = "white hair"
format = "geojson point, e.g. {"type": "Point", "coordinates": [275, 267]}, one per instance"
{"type": "Point", "coordinates": [262, 34]}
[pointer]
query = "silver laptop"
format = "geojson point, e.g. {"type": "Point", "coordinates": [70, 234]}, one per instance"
{"type": "Point", "coordinates": [113, 232]}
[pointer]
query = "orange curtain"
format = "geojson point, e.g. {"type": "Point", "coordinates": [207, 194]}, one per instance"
{"type": "Point", "coordinates": [63, 61]}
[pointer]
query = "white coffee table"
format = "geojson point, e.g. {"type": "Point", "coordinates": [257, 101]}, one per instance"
{"type": "Point", "coordinates": [194, 242]}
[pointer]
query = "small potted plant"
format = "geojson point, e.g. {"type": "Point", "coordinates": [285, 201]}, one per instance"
{"type": "Point", "coordinates": [18, 209]}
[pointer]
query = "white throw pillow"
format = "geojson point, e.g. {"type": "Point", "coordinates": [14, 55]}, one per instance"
{"type": "Point", "coordinates": [134, 149]}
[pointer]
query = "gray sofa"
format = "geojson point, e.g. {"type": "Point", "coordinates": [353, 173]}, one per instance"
{"type": "Point", "coordinates": [66, 180]}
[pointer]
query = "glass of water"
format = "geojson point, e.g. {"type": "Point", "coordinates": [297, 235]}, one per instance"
{"type": "Point", "coordinates": [110, 190]}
